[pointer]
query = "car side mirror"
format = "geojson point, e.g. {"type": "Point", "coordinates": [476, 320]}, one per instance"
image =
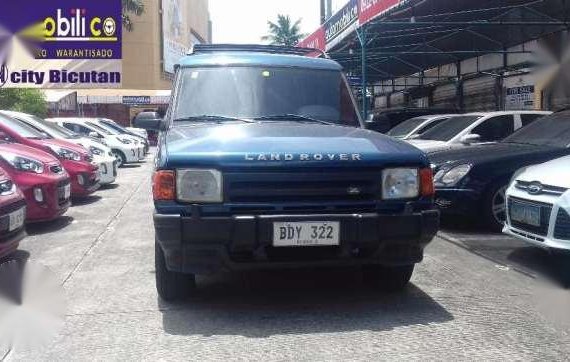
{"type": "Point", "coordinates": [470, 138]}
{"type": "Point", "coordinates": [150, 121]}
{"type": "Point", "coordinates": [94, 135]}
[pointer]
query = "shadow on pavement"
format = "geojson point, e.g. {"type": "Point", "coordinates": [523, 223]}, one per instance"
{"type": "Point", "coordinates": [49, 226]}
{"type": "Point", "coordinates": [263, 304]}
{"type": "Point", "coordinates": [131, 165]}
{"type": "Point", "coordinates": [87, 200]}
{"type": "Point", "coordinates": [109, 187]}
{"type": "Point", "coordinates": [553, 266]}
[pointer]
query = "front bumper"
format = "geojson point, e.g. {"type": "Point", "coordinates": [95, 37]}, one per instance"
{"type": "Point", "coordinates": [132, 154]}
{"type": "Point", "coordinates": [205, 245]}
{"type": "Point", "coordinates": [53, 205]}
{"type": "Point", "coordinates": [464, 202]}
{"type": "Point", "coordinates": [107, 170]}
{"type": "Point", "coordinates": [9, 240]}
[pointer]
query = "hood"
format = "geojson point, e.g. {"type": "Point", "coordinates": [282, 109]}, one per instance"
{"type": "Point", "coordinates": [553, 173]}
{"type": "Point", "coordinates": [278, 144]}
{"type": "Point", "coordinates": [87, 142]}
{"type": "Point", "coordinates": [65, 144]}
{"type": "Point", "coordinates": [28, 152]}
{"type": "Point", "coordinates": [429, 145]}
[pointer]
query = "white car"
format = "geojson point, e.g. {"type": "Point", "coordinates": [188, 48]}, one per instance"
{"type": "Point", "coordinates": [414, 127]}
{"type": "Point", "coordinates": [538, 205]}
{"type": "Point", "coordinates": [109, 124]}
{"type": "Point", "coordinates": [124, 150]}
{"type": "Point", "coordinates": [102, 155]}
{"type": "Point", "coordinates": [474, 129]}
{"type": "Point", "coordinates": [136, 140]}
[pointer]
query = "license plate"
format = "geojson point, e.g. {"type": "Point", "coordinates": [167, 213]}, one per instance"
{"type": "Point", "coordinates": [306, 233]}
{"type": "Point", "coordinates": [67, 191]}
{"type": "Point", "coordinates": [16, 219]}
{"type": "Point", "coordinates": [526, 214]}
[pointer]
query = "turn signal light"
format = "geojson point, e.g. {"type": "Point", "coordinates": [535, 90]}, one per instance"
{"type": "Point", "coordinates": [164, 186]}
{"type": "Point", "coordinates": [426, 182]}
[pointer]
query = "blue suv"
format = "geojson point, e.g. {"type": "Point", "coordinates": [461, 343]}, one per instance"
{"type": "Point", "coordinates": [263, 162]}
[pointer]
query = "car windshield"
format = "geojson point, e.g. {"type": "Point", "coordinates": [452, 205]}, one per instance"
{"type": "Point", "coordinates": [264, 92]}
{"type": "Point", "coordinates": [52, 129]}
{"type": "Point", "coordinates": [406, 127]}
{"type": "Point", "coordinates": [100, 129]}
{"type": "Point", "coordinates": [22, 129]}
{"type": "Point", "coordinates": [446, 130]}
{"type": "Point", "coordinates": [114, 126]}
{"type": "Point", "coordinates": [553, 130]}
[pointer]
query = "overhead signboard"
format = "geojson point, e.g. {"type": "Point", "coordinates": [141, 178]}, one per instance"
{"type": "Point", "coordinates": [341, 21]}
{"type": "Point", "coordinates": [369, 9]}
{"type": "Point", "coordinates": [176, 40]}
{"type": "Point", "coordinates": [315, 40]}
{"type": "Point", "coordinates": [520, 98]}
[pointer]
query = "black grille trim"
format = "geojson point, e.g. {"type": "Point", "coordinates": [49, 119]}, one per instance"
{"type": "Point", "coordinates": [562, 227]}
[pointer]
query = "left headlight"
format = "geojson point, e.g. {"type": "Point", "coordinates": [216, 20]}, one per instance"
{"type": "Point", "coordinates": [96, 151]}
{"type": "Point", "coordinates": [400, 183]}
{"type": "Point", "coordinates": [7, 187]}
{"type": "Point", "coordinates": [450, 177]}
{"type": "Point", "coordinates": [65, 153]}
{"type": "Point", "coordinates": [196, 185]}
{"type": "Point", "coordinates": [124, 140]}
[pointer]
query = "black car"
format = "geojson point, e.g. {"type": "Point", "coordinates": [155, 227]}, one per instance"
{"type": "Point", "coordinates": [473, 180]}
{"type": "Point", "coordinates": [385, 120]}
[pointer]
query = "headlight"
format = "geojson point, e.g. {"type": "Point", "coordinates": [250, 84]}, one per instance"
{"type": "Point", "coordinates": [452, 176]}
{"type": "Point", "coordinates": [194, 185]}
{"type": "Point", "coordinates": [24, 164]}
{"type": "Point", "coordinates": [400, 183]}
{"type": "Point", "coordinates": [65, 153]}
{"type": "Point", "coordinates": [124, 140]}
{"type": "Point", "coordinates": [7, 187]}
{"type": "Point", "coordinates": [96, 151]}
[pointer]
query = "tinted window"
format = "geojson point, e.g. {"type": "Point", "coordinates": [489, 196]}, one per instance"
{"type": "Point", "coordinates": [553, 130]}
{"type": "Point", "coordinates": [406, 127]}
{"type": "Point", "coordinates": [431, 125]}
{"type": "Point", "coordinates": [446, 130]}
{"type": "Point", "coordinates": [99, 128]}
{"type": "Point", "coordinates": [529, 118]}
{"type": "Point", "coordinates": [495, 129]}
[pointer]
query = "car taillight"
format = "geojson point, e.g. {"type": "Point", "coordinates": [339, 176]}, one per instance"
{"type": "Point", "coordinates": [164, 185]}
{"type": "Point", "coordinates": [426, 182]}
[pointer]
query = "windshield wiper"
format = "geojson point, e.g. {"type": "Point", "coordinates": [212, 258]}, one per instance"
{"type": "Point", "coordinates": [212, 118]}
{"type": "Point", "coordinates": [291, 117]}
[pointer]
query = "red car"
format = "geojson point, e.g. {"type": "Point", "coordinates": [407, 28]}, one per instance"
{"type": "Point", "coordinates": [74, 158]}
{"type": "Point", "coordinates": [42, 179]}
{"type": "Point", "coordinates": [12, 215]}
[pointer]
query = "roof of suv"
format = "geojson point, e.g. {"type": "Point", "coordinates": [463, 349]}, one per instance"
{"type": "Point", "coordinates": [258, 59]}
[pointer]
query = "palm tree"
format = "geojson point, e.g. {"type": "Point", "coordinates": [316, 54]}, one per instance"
{"type": "Point", "coordinates": [134, 7]}
{"type": "Point", "coordinates": [283, 32]}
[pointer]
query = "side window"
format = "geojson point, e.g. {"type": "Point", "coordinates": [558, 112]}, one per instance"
{"type": "Point", "coordinates": [529, 118]}
{"type": "Point", "coordinates": [495, 129]}
{"type": "Point", "coordinates": [431, 125]}
{"type": "Point", "coordinates": [69, 126]}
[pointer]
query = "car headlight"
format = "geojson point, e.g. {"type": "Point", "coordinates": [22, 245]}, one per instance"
{"type": "Point", "coordinates": [124, 140]}
{"type": "Point", "coordinates": [24, 164]}
{"type": "Point", "coordinates": [400, 183]}
{"type": "Point", "coordinates": [96, 151]}
{"type": "Point", "coordinates": [7, 187]}
{"type": "Point", "coordinates": [64, 153]}
{"type": "Point", "coordinates": [450, 177]}
{"type": "Point", "coordinates": [195, 185]}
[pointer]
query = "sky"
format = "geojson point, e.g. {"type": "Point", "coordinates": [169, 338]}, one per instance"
{"type": "Point", "coordinates": [245, 21]}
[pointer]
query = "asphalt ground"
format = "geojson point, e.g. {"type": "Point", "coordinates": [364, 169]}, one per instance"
{"type": "Point", "coordinates": [476, 296]}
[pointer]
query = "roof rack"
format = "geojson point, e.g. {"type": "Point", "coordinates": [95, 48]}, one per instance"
{"type": "Point", "coordinates": [272, 49]}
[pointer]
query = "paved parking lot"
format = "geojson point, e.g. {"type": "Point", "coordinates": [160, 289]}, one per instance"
{"type": "Point", "coordinates": [474, 297]}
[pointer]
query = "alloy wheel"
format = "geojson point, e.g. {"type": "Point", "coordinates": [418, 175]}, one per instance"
{"type": "Point", "coordinates": [499, 205]}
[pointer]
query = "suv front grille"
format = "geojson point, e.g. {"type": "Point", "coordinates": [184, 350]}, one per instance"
{"type": "Point", "coordinates": [311, 186]}
{"type": "Point", "coordinates": [562, 228]}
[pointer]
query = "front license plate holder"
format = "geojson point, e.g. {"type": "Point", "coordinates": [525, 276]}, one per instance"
{"type": "Point", "coordinates": [306, 233]}
{"type": "Point", "coordinates": [525, 213]}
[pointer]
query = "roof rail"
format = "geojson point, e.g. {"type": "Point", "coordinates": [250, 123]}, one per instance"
{"type": "Point", "coordinates": [272, 49]}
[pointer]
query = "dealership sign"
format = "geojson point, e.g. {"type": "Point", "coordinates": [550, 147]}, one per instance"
{"type": "Point", "coordinates": [369, 9]}
{"type": "Point", "coordinates": [341, 21]}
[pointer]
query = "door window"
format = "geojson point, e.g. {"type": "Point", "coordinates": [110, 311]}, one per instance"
{"type": "Point", "coordinates": [495, 129]}
{"type": "Point", "coordinates": [529, 118]}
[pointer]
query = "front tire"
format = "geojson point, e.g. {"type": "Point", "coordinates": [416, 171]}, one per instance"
{"type": "Point", "coordinates": [388, 278]}
{"type": "Point", "coordinates": [495, 206]}
{"type": "Point", "coordinates": [171, 286]}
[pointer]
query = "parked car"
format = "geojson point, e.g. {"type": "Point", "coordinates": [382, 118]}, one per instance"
{"type": "Point", "coordinates": [112, 125]}
{"type": "Point", "coordinates": [472, 180]}
{"type": "Point", "coordinates": [102, 155]}
{"type": "Point", "coordinates": [136, 140]}
{"type": "Point", "coordinates": [474, 129]}
{"type": "Point", "coordinates": [123, 148]}
{"type": "Point", "coordinates": [138, 131]}
{"type": "Point", "coordinates": [384, 120]}
{"type": "Point", "coordinates": [415, 127]}
{"type": "Point", "coordinates": [75, 159]}
{"type": "Point", "coordinates": [12, 215]}
{"type": "Point", "coordinates": [538, 205]}
{"type": "Point", "coordinates": [263, 162]}
{"type": "Point", "coordinates": [41, 177]}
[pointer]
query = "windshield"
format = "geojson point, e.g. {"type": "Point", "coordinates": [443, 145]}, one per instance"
{"type": "Point", "coordinates": [553, 130]}
{"type": "Point", "coordinates": [113, 126]}
{"type": "Point", "coordinates": [446, 130]}
{"type": "Point", "coordinates": [21, 128]}
{"type": "Point", "coordinates": [406, 127]}
{"type": "Point", "coordinates": [254, 92]}
{"type": "Point", "coordinates": [52, 129]}
{"type": "Point", "coordinates": [100, 129]}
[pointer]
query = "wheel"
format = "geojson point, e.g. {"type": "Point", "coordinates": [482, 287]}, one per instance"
{"type": "Point", "coordinates": [120, 157]}
{"type": "Point", "coordinates": [389, 278]}
{"type": "Point", "coordinates": [171, 286]}
{"type": "Point", "coordinates": [495, 206]}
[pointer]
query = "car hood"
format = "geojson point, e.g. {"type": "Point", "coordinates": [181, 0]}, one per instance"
{"type": "Point", "coordinates": [28, 152]}
{"type": "Point", "coordinates": [65, 144]}
{"type": "Point", "coordinates": [278, 144]}
{"type": "Point", "coordinates": [87, 142]}
{"type": "Point", "coordinates": [553, 173]}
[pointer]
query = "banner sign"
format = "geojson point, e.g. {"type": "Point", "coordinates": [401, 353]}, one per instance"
{"type": "Point", "coordinates": [341, 20]}
{"type": "Point", "coordinates": [61, 43]}
{"type": "Point", "coordinates": [520, 98]}
{"type": "Point", "coordinates": [177, 36]}
{"type": "Point", "coordinates": [133, 100]}
{"type": "Point", "coordinates": [369, 9]}
{"type": "Point", "coordinates": [315, 40]}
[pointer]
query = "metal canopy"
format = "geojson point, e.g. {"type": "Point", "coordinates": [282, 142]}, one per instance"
{"type": "Point", "coordinates": [425, 34]}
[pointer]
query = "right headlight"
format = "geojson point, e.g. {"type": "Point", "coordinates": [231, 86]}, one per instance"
{"type": "Point", "coordinates": [96, 151]}
{"type": "Point", "coordinates": [450, 177]}
{"type": "Point", "coordinates": [199, 185]}
{"type": "Point", "coordinates": [7, 187]}
{"type": "Point", "coordinates": [24, 164]}
{"type": "Point", "coordinates": [400, 183]}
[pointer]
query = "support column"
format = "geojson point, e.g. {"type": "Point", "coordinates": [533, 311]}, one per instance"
{"type": "Point", "coordinates": [362, 39]}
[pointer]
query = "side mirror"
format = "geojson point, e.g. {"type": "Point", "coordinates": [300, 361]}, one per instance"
{"type": "Point", "coordinates": [470, 138]}
{"type": "Point", "coordinates": [94, 135]}
{"type": "Point", "coordinates": [150, 121]}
